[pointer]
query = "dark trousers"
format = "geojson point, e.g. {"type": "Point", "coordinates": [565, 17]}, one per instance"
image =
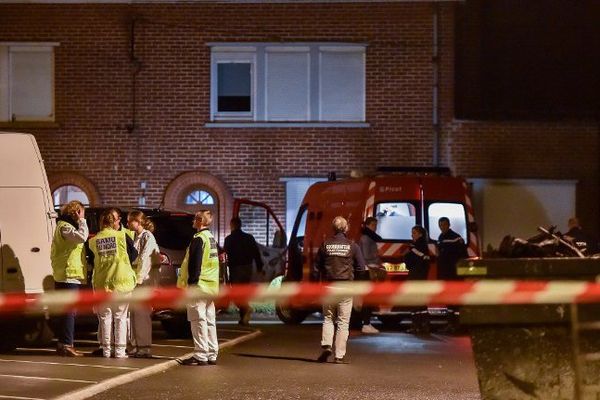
{"type": "Point", "coordinates": [66, 321]}
{"type": "Point", "coordinates": [375, 275]}
{"type": "Point", "coordinates": [241, 274]}
{"type": "Point", "coordinates": [420, 316]}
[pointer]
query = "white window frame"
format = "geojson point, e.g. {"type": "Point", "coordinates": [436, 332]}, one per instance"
{"type": "Point", "coordinates": [257, 54]}
{"type": "Point", "coordinates": [6, 106]}
{"type": "Point", "coordinates": [242, 55]}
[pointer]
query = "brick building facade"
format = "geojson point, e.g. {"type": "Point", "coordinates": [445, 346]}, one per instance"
{"type": "Point", "coordinates": [120, 121]}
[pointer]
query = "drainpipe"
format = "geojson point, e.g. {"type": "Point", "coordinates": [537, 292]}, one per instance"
{"type": "Point", "coordinates": [435, 63]}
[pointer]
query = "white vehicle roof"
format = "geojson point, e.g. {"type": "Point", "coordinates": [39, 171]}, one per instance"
{"type": "Point", "coordinates": [20, 159]}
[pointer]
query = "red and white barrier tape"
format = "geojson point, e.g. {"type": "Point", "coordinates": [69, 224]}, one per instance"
{"type": "Point", "coordinates": [406, 293]}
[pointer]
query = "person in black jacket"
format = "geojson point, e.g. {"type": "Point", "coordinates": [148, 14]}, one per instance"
{"type": "Point", "coordinates": [242, 250]}
{"type": "Point", "coordinates": [337, 260]}
{"type": "Point", "coordinates": [451, 248]}
{"type": "Point", "coordinates": [417, 263]}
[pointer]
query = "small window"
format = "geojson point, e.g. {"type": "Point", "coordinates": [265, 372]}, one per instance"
{"type": "Point", "coordinates": [455, 212]}
{"type": "Point", "coordinates": [27, 82]}
{"type": "Point", "coordinates": [234, 87]}
{"type": "Point", "coordinates": [67, 193]}
{"type": "Point", "coordinates": [199, 197]}
{"type": "Point", "coordinates": [395, 220]}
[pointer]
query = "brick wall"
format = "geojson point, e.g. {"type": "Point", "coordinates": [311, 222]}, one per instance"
{"type": "Point", "coordinates": [94, 101]}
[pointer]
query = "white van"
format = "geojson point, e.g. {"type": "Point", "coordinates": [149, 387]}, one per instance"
{"type": "Point", "coordinates": [27, 222]}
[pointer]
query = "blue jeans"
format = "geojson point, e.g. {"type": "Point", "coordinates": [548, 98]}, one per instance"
{"type": "Point", "coordinates": [66, 322]}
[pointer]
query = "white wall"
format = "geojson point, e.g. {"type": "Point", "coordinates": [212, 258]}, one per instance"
{"type": "Point", "coordinates": [518, 206]}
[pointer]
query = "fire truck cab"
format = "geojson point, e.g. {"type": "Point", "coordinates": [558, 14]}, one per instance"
{"type": "Point", "coordinates": [399, 200]}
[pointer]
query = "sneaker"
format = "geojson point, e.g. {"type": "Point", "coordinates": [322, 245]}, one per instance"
{"type": "Point", "coordinates": [325, 354]}
{"type": "Point", "coordinates": [142, 354]}
{"type": "Point", "coordinates": [132, 351]}
{"type": "Point", "coordinates": [68, 351]}
{"type": "Point", "coordinates": [212, 362]}
{"type": "Point", "coordinates": [106, 353]}
{"type": "Point", "coordinates": [369, 329]}
{"type": "Point", "coordinates": [121, 355]}
{"type": "Point", "coordinates": [192, 361]}
{"type": "Point", "coordinates": [341, 361]}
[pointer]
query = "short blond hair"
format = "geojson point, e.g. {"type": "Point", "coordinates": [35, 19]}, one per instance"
{"type": "Point", "coordinates": [205, 217]}
{"type": "Point", "coordinates": [71, 208]}
{"type": "Point", "coordinates": [340, 224]}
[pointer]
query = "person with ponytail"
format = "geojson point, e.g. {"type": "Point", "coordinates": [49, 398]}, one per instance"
{"type": "Point", "coordinates": [147, 274]}
{"type": "Point", "coordinates": [111, 254]}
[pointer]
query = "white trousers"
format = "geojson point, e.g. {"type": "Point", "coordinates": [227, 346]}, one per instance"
{"type": "Point", "coordinates": [113, 328]}
{"type": "Point", "coordinates": [202, 317]}
{"type": "Point", "coordinates": [340, 313]}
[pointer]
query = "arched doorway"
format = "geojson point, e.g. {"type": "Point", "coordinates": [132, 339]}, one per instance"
{"type": "Point", "coordinates": [67, 186]}
{"type": "Point", "coordinates": [195, 190]}
{"type": "Point", "coordinates": [64, 194]}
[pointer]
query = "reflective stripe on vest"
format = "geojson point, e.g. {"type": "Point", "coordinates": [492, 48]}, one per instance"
{"type": "Point", "coordinates": [112, 269]}
{"type": "Point", "coordinates": [67, 258]}
{"type": "Point", "coordinates": [209, 274]}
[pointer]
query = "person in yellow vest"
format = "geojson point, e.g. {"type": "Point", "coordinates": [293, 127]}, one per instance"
{"type": "Point", "coordinates": [112, 254]}
{"type": "Point", "coordinates": [117, 225]}
{"type": "Point", "coordinates": [69, 267]}
{"type": "Point", "coordinates": [200, 267]}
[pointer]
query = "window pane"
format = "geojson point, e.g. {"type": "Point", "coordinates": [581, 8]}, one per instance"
{"type": "Point", "coordinates": [199, 197]}
{"type": "Point", "coordinates": [455, 213]}
{"type": "Point", "coordinates": [287, 86]}
{"type": "Point", "coordinates": [31, 83]}
{"type": "Point", "coordinates": [234, 87]}
{"type": "Point", "coordinates": [342, 86]}
{"type": "Point", "coordinates": [65, 194]}
{"type": "Point", "coordinates": [395, 220]}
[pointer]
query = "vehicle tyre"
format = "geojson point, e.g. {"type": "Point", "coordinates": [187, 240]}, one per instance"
{"type": "Point", "coordinates": [37, 333]}
{"type": "Point", "coordinates": [9, 338]}
{"type": "Point", "coordinates": [177, 327]}
{"type": "Point", "coordinates": [290, 316]}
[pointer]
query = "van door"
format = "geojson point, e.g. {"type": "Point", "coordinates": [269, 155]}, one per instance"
{"type": "Point", "coordinates": [259, 220]}
{"type": "Point", "coordinates": [25, 239]}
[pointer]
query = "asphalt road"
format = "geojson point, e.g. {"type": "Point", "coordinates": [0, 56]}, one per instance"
{"type": "Point", "coordinates": [39, 374]}
{"type": "Point", "coordinates": [280, 364]}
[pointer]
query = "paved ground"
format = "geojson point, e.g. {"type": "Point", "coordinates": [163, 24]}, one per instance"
{"type": "Point", "coordinates": [40, 374]}
{"type": "Point", "coordinates": [280, 364]}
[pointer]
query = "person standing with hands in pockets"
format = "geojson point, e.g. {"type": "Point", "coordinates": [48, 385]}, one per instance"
{"type": "Point", "coordinates": [200, 267]}
{"type": "Point", "coordinates": [337, 259]}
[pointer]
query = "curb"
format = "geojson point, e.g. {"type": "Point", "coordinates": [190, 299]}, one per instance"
{"type": "Point", "coordinates": [142, 373]}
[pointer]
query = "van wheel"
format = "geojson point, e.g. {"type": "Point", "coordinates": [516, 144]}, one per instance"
{"type": "Point", "coordinates": [177, 327]}
{"type": "Point", "coordinates": [390, 321]}
{"type": "Point", "coordinates": [38, 334]}
{"type": "Point", "coordinates": [9, 339]}
{"type": "Point", "coordinates": [290, 316]}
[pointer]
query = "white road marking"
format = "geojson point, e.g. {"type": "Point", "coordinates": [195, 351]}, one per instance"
{"type": "Point", "coordinates": [42, 378]}
{"type": "Point", "coordinates": [19, 397]}
{"type": "Point", "coordinates": [66, 364]}
{"type": "Point", "coordinates": [107, 384]}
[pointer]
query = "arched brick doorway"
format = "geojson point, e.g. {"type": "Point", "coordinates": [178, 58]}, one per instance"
{"type": "Point", "coordinates": [62, 184]}
{"type": "Point", "coordinates": [195, 190]}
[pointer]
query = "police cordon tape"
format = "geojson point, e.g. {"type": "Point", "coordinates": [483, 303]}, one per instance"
{"type": "Point", "coordinates": [403, 293]}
